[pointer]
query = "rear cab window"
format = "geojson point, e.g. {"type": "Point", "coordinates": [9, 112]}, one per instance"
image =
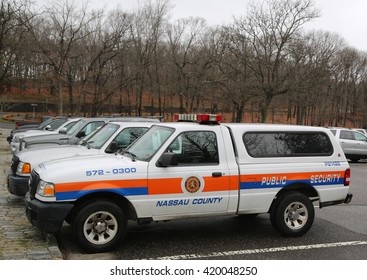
{"type": "Point", "coordinates": [287, 144]}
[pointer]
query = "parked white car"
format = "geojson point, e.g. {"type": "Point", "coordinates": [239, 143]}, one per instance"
{"type": "Point", "coordinates": [353, 143]}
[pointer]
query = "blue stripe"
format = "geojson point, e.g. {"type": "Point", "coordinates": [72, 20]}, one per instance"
{"type": "Point", "coordinates": [123, 192]}
{"type": "Point", "coordinates": [259, 185]}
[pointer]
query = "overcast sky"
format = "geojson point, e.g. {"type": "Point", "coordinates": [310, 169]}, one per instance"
{"type": "Point", "coordinates": [345, 17]}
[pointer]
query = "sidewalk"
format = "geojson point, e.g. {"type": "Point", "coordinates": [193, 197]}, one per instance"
{"type": "Point", "coordinates": [19, 240]}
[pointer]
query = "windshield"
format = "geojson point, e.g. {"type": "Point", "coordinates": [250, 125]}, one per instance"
{"type": "Point", "coordinates": [75, 127]}
{"type": "Point", "coordinates": [99, 138]}
{"type": "Point", "coordinates": [148, 144]}
{"type": "Point", "coordinates": [46, 123]}
{"type": "Point", "coordinates": [68, 125]}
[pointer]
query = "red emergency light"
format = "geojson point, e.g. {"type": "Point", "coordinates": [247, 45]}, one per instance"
{"type": "Point", "coordinates": [200, 118]}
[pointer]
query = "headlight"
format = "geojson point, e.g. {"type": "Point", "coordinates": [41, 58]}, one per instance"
{"type": "Point", "coordinates": [46, 189]}
{"type": "Point", "coordinates": [17, 138]}
{"type": "Point", "coordinates": [24, 167]}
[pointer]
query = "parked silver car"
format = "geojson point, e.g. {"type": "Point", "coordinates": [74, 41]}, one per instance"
{"type": "Point", "coordinates": [353, 143]}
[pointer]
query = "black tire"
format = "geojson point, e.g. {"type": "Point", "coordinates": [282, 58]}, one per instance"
{"type": "Point", "coordinates": [293, 214]}
{"type": "Point", "coordinates": [99, 226]}
{"type": "Point", "coordinates": [354, 159]}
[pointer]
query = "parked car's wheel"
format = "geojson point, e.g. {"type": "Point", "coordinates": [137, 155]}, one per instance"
{"type": "Point", "coordinates": [354, 159]}
{"type": "Point", "coordinates": [99, 226]}
{"type": "Point", "coordinates": [293, 214]}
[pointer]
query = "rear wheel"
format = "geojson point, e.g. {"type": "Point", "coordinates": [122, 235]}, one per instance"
{"type": "Point", "coordinates": [293, 215]}
{"type": "Point", "coordinates": [100, 226]}
{"type": "Point", "coordinates": [354, 159]}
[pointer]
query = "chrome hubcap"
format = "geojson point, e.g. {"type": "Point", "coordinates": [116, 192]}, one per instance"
{"type": "Point", "coordinates": [100, 227]}
{"type": "Point", "coordinates": [296, 215]}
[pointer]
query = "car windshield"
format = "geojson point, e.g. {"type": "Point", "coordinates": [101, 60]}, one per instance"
{"type": "Point", "coordinates": [46, 123]}
{"type": "Point", "coordinates": [75, 127]}
{"type": "Point", "coordinates": [99, 138]}
{"type": "Point", "coordinates": [148, 144]}
{"type": "Point", "coordinates": [68, 125]}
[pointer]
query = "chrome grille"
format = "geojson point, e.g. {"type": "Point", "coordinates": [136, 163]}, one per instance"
{"type": "Point", "coordinates": [14, 164]}
{"type": "Point", "coordinates": [33, 183]}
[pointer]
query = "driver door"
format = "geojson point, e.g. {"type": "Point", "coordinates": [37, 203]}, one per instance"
{"type": "Point", "coordinates": [199, 183]}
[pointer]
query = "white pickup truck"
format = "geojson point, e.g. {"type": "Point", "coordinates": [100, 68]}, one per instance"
{"type": "Point", "coordinates": [185, 170]}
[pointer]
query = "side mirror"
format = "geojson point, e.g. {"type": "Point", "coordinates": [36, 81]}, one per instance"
{"type": "Point", "coordinates": [168, 159]}
{"type": "Point", "coordinates": [48, 127]}
{"type": "Point", "coordinates": [113, 147]}
{"type": "Point", "coordinates": [62, 130]}
{"type": "Point", "coordinates": [80, 134]}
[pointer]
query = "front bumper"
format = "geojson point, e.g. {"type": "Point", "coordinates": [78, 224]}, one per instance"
{"type": "Point", "coordinates": [18, 185]}
{"type": "Point", "coordinates": [47, 216]}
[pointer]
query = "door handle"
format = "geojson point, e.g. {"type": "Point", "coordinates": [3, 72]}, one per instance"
{"type": "Point", "coordinates": [217, 174]}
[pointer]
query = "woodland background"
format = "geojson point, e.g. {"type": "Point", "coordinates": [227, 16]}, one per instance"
{"type": "Point", "coordinates": [263, 67]}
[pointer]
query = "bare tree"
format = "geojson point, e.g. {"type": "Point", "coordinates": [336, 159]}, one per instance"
{"type": "Point", "coordinates": [106, 43]}
{"type": "Point", "coordinates": [58, 30]}
{"type": "Point", "coordinates": [236, 78]}
{"type": "Point", "coordinates": [146, 30]}
{"type": "Point", "coordinates": [12, 37]}
{"type": "Point", "coordinates": [309, 92]}
{"type": "Point", "coordinates": [184, 40]}
{"type": "Point", "coordinates": [270, 26]}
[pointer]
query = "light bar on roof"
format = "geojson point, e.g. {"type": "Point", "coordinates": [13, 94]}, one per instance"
{"type": "Point", "coordinates": [200, 118]}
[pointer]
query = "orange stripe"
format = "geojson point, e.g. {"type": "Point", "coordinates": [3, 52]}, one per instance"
{"type": "Point", "coordinates": [217, 184]}
{"type": "Point", "coordinates": [173, 185]}
{"type": "Point", "coordinates": [164, 186]}
{"type": "Point", "coordinates": [95, 185]}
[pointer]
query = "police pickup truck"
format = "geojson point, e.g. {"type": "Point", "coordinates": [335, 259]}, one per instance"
{"type": "Point", "coordinates": [108, 139]}
{"type": "Point", "coordinates": [185, 170]}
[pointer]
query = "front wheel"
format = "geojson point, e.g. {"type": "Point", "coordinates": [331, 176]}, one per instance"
{"type": "Point", "coordinates": [293, 215]}
{"type": "Point", "coordinates": [99, 226]}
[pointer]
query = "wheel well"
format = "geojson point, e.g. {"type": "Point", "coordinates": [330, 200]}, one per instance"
{"type": "Point", "coordinates": [303, 188]}
{"type": "Point", "coordinates": [121, 201]}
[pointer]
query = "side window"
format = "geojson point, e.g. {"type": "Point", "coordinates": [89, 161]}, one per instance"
{"type": "Point", "coordinates": [196, 148]}
{"type": "Point", "coordinates": [92, 126]}
{"type": "Point", "coordinates": [346, 134]}
{"type": "Point", "coordinates": [360, 137]}
{"type": "Point", "coordinates": [127, 136]}
{"type": "Point", "coordinates": [287, 144]}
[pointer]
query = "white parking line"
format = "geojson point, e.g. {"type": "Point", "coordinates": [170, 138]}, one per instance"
{"type": "Point", "coordinates": [264, 250]}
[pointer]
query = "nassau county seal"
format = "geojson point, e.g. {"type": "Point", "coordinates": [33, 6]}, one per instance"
{"type": "Point", "coordinates": [192, 184]}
